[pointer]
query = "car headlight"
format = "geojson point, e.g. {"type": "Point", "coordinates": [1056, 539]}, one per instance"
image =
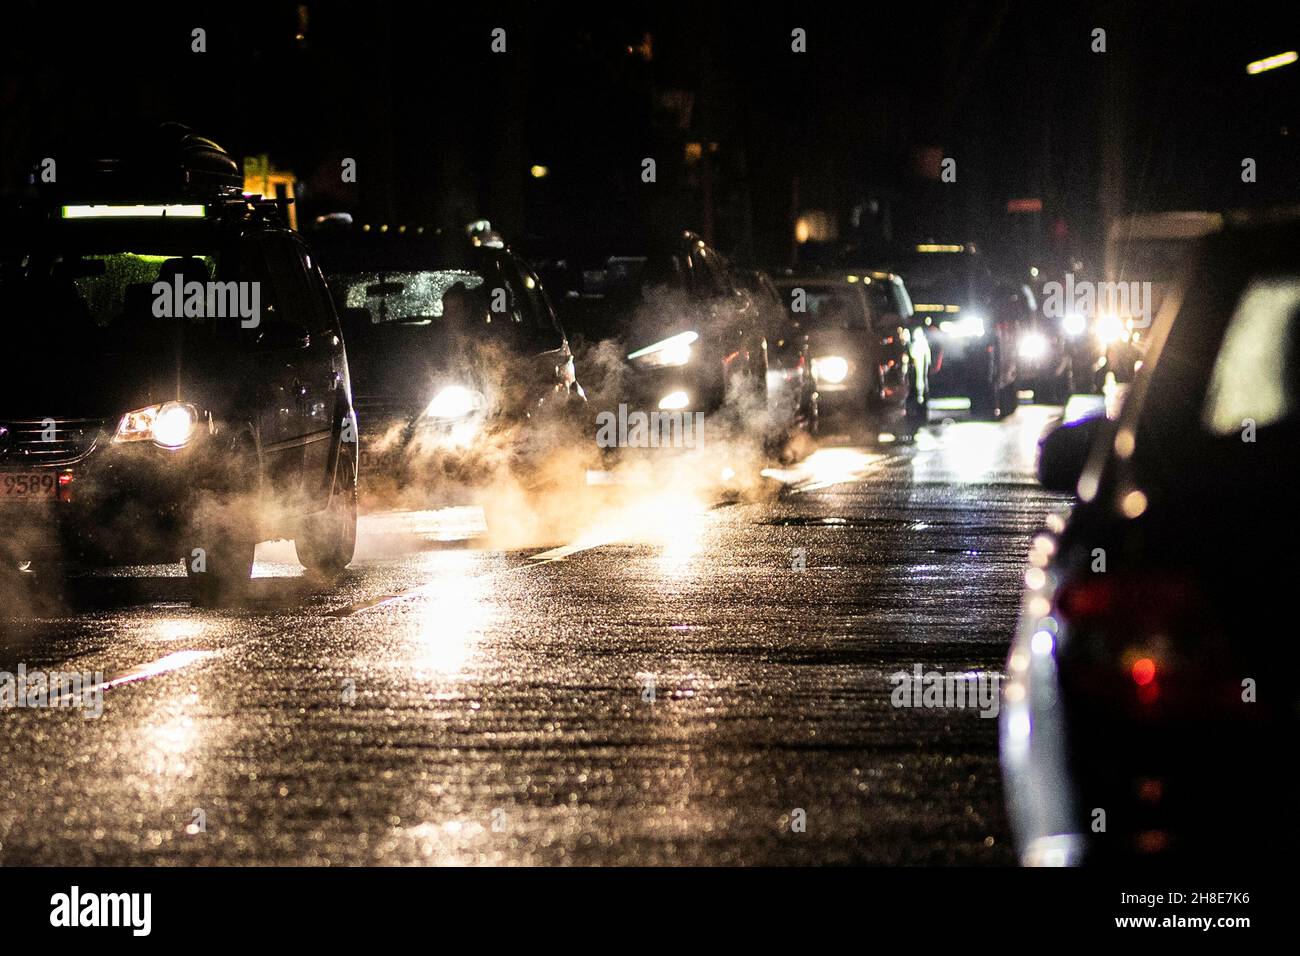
{"type": "Point", "coordinates": [830, 368]}
{"type": "Point", "coordinates": [1033, 345]}
{"type": "Point", "coordinates": [171, 425]}
{"type": "Point", "coordinates": [454, 402]}
{"type": "Point", "coordinates": [1110, 329]}
{"type": "Point", "coordinates": [1074, 324]}
{"type": "Point", "coordinates": [967, 327]}
{"type": "Point", "coordinates": [672, 351]}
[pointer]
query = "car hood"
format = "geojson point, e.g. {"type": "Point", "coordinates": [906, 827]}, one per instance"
{"type": "Point", "coordinates": [60, 383]}
{"type": "Point", "coordinates": [401, 366]}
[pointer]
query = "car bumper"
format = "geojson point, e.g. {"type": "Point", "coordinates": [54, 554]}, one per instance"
{"type": "Point", "coordinates": [117, 505]}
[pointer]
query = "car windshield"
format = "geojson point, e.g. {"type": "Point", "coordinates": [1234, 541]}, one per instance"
{"type": "Point", "coordinates": [412, 297]}
{"type": "Point", "coordinates": [103, 296]}
{"type": "Point", "coordinates": [940, 280]}
{"type": "Point", "coordinates": [828, 306]}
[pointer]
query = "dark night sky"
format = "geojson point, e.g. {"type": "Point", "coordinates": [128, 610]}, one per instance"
{"type": "Point", "coordinates": [443, 129]}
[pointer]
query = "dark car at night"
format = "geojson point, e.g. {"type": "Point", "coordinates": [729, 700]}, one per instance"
{"type": "Point", "coordinates": [791, 388]}
{"type": "Point", "coordinates": [691, 338]}
{"type": "Point", "coordinates": [185, 393]}
{"type": "Point", "coordinates": [1054, 356]}
{"type": "Point", "coordinates": [1149, 700]}
{"type": "Point", "coordinates": [457, 357]}
{"type": "Point", "coordinates": [870, 360]}
{"type": "Point", "coordinates": [972, 321]}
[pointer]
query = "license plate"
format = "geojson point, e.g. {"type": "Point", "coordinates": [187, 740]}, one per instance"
{"type": "Point", "coordinates": [41, 485]}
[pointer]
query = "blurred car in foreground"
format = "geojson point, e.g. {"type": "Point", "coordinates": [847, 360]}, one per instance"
{"type": "Point", "coordinates": [456, 357]}
{"type": "Point", "coordinates": [870, 361]}
{"type": "Point", "coordinates": [972, 321]}
{"type": "Point", "coordinates": [185, 392]}
{"type": "Point", "coordinates": [1149, 701]}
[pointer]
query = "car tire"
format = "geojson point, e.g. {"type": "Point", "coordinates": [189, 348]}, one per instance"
{"type": "Point", "coordinates": [984, 399]}
{"type": "Point", "coordinates": [916, 411]}
{"type": "Point", "coordinates": [327, 542]}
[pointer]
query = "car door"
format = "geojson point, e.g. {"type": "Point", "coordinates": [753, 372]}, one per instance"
{"type": "Point", "coordinates": [315, 380]}
{"type": "Point", "coordinates": [274, 348]}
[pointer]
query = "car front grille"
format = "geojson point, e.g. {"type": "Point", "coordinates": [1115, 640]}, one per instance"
{"type": "Point", "coordinates": [23, 441]}
{"type": "Point", "coordinates": [381, 411]}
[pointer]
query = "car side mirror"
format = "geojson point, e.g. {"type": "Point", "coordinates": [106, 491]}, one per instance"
{"type": "Point", "coordinates": [282, 336]}
{"type": "Point", "coordinates": [1063, 451]}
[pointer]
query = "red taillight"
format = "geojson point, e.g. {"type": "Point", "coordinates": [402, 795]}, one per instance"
{"type": "Point", "coordinates": [1140, 601]}
{"type": "Point", "coordinates": [1144, 671]}
{"type": "Point", "coordinates": [65, 486]}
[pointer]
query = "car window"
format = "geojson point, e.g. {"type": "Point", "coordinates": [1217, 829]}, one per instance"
{"type": "Point", "coordinates": [286, 282]}
{"type": "Point", "coordinates": [1254, 376]}
{"type": "Point", "coordinates": [322, 315]}
{"type": "Point", "coordinates": [402, 296]}
{"type": "Point", "coordinates": [830, 306]}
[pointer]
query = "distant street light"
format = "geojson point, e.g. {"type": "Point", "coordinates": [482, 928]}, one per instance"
{"type": "Point", "coordinates": [539, 172]}
{"type": "Point", "coordinates": [1272, 62]}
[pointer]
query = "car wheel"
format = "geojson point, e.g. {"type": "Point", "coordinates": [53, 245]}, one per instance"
{"type": "Point", "coordinates": [812, 414]}
{"type": "Point", "coordinates": [326, 542]}
{"type": "Point", "coordinates": [916, 411]}
{"type": "Point", "coordinates": [984, 398]}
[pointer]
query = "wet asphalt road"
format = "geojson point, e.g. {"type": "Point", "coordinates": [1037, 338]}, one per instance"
{"type": "Point", "coordinates": [459, 705]}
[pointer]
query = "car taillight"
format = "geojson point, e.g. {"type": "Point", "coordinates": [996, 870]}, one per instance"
{"type": "Point", "coordinates": [1149, 641]}
{"type": "Point", "coordinates": [1139, 602]}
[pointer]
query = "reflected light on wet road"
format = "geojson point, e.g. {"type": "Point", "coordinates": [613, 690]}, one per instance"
{"type": "Point", "coordinates": [454, 610]}
{"type": "Point", "coordinates": [826, 467]}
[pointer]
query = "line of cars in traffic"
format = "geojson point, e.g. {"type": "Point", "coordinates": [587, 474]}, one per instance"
{"type": "Point", "coordinates": [196, 431]}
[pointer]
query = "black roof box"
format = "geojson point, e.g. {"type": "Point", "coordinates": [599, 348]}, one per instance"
{"type": "Point", "coordinates": [168, 161]}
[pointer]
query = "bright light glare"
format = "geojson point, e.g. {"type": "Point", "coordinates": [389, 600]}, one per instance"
{"type": "Point", "coordinates": [1271, 62]}
{"type": "Point", "coordinates": [174, 425]}
{"type": "Point", "coordinates": [1109, 329]}
{"type": "Point", "coordinates": [674, 350]}
{"type": "Point", "coordinates": [674, 401]}
{"type": "Point", "coordinates": [170, 425]}
{"type": "Point", "coordinates": [1074, 324]}
{"type": "Point", "coordinates": [967, 327]}
{"type": "Point", "coordinates": [1033, 345]}
{"type": "Point", "coordinates": [831, 368]}
{"type": "Point", "coordinates": [452, 402]}
{"type": "Point", "coordinates": [134, 212]}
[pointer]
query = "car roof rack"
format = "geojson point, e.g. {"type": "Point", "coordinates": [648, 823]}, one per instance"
{"type": "Point", "coordinates": [171, 161]}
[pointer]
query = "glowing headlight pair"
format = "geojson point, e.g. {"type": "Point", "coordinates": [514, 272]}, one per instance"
{"type": "Point", "coordinates": [454, 402]}
{"type": "Point", "coordinates": [672, 351]}
{"type": "Point", "coordinates": [831, 369]}
{"type": "Point", "coordinates": [170, 425]}
{"type": "Point", "coordinates": [967, 327]}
